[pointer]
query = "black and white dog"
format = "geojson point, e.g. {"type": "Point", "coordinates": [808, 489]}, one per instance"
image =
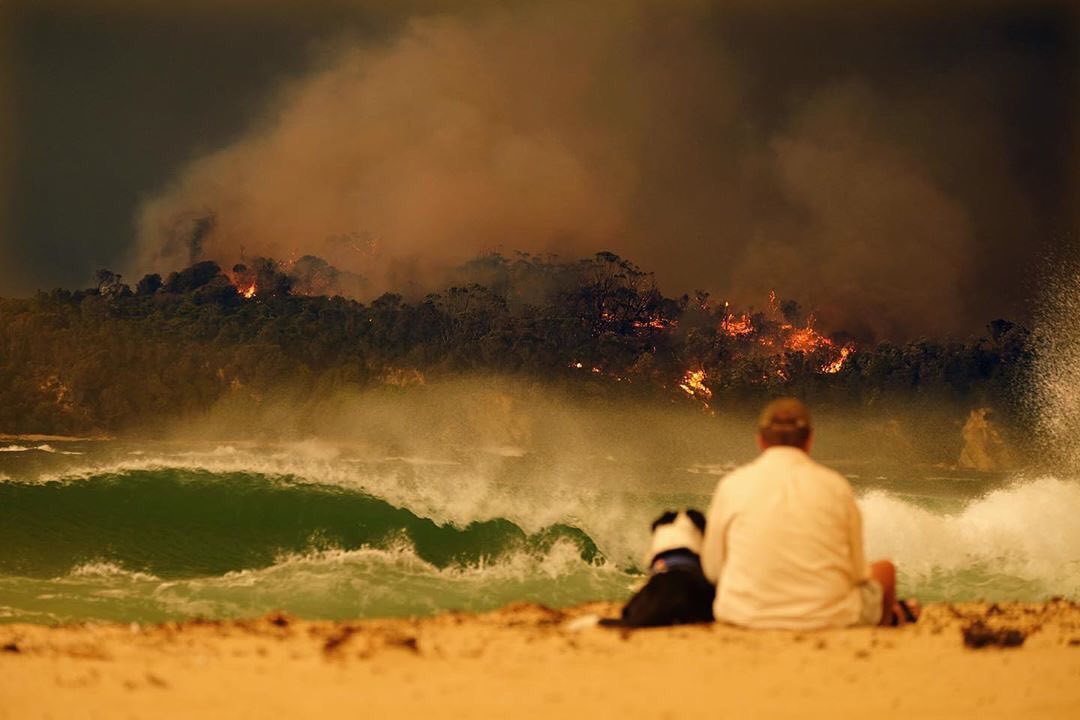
{"type": "Point", "coordinates": [677, 591]}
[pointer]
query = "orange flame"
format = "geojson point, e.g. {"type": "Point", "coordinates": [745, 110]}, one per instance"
{"type": "Point", "coordinates": [733, 326]}
{"type": "Point", "coordinates": [693, 384]}
{"type": "Point", "coordinates": [806, 340]}
{"type": "Point", "coordinates": [778, 333]}
{"type": "Point", "coordinates": [836, 365]}
{"type": "Point", "coordinates": [656, 323]}
{"type": "Point", "coordinates": [248, 292]}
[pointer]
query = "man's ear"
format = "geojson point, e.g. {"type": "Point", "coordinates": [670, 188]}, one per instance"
{"type": "Point", "coordinates": [809, 441]}
{"type": "Point", "coordinates": [760, 442]}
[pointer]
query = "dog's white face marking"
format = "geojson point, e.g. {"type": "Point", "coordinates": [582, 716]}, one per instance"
{"type": "Point", "coordinates": [679, 533]}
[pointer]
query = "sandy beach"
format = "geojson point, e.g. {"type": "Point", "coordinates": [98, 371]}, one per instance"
{"type": "Point", "coordinates": [529, 661]}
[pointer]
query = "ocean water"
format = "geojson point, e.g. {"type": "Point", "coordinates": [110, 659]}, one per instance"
{"type": "Point", "coordinates": [143, 532]}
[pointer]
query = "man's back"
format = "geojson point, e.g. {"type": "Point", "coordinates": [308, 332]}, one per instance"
{"type": "Point", "coordinates": [784, 542]}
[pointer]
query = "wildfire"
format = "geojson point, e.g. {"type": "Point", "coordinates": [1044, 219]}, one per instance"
{"type": "Point", "coordinates": [806, 340]}
{"type": "Point", "coordinates": [778, 333]}
{"type": "Point", "coordinates": [656, 323]}
{"type": "Point", "coordinates": [736, 326]}
{"type": "Point", "coordinates": [652, 323]}
{"type": "Point", "coordinates": [693, 384]}
{"type": "Point", "coordinates": [836, 365]}
{"type": "Point", "coordinates": [581, 366]}
{"type": "Point", "coordinates": [243, 280]}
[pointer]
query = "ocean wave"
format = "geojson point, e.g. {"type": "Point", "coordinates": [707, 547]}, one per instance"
{"type": "Point", "coordinates": [530, 493]}
{"type": "Point", "coordinates": [1024, 533]}
{"type": "Point", "coordinates": [46, 448]}
{"type": "Point", "coordinates": [1017, 541]}
{"type": "Point", "coordinates": [330, 583]}
{"type": "Point", "coordinates": [108, 570]}
{"type": "Point", "coordinates": [174, 523]}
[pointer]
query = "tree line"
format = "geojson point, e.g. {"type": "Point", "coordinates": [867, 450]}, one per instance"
{"type": "Point", "coordinates": [115, 358]}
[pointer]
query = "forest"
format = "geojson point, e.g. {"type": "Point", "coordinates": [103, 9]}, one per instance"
{"type": "Point", "coordinates": [116, 359]}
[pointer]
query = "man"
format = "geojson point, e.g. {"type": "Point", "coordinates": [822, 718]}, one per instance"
{"type": "Point", "coordinates": [784, 538]}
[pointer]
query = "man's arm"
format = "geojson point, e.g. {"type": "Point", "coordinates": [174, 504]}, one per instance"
{"type": "Point", "coordinates": [714, 547]}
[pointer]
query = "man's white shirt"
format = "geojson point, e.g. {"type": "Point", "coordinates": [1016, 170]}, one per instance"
{"type": "Point", "coordinates": [784, 543]}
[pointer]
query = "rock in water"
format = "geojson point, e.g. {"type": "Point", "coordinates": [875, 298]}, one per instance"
{"type": "Point", "coordinates": [984, 448]}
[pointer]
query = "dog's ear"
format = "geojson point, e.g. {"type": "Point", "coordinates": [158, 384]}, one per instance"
{"type": "Point", "coordinates": [666, 519]}
{"type": "Point", "coordinates": [697, 518]}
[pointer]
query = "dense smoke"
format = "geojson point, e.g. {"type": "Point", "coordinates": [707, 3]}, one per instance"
{"type": "Point", "coordinates": [880, 198]}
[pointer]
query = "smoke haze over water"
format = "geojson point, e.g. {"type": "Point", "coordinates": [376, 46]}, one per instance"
{"type": "Point", "coordinates": [898, 169]}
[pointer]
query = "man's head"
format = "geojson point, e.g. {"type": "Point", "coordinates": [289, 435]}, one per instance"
{"type": "Point", "coordinates": [784, 421]}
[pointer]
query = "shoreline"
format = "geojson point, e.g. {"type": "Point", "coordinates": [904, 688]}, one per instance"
{"type": "Point", "coordinates": [534, 662]}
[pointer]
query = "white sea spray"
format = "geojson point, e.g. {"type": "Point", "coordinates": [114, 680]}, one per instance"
{"type": "Point", "coordinates": [1056, 382]}
{"type": "Point", "coordinates": [1025, 532]}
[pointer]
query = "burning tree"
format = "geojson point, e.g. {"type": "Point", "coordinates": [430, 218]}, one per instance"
{"type": "Point", "coordinates": [770, 349]}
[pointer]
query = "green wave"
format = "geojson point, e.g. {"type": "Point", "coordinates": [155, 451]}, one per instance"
{"type": "Point", "coordinates": [184, 523]}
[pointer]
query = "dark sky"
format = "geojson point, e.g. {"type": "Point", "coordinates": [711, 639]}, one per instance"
{"type": "Point", "coordinates": [903, 168]}
{"type": "Point", "coordinates": [111, 100]}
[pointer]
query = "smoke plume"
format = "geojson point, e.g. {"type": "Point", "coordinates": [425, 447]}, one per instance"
{"type": "Point", "coordinates": [672, 138]}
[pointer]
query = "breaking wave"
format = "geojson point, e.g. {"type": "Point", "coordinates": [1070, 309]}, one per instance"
{"type": "Point", "coordinates": [147, 536]}
{"type": "Point", "coordinates": [40, 448]}
{"type": "Point", "coordinates": [330, 584]}
{"type": "Point", "coordinates": [1019, 542]}
{"type": "Point", "coordinates": [176, 523]}
{"type": "Point", "coordinates": [600, 498]}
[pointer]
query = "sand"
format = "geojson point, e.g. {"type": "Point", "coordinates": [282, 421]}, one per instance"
{"type": "Point", "coordinates": [527, 661]}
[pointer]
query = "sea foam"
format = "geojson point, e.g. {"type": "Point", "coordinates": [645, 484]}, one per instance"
{"type": "Point", "coordinates": [1026, 531]}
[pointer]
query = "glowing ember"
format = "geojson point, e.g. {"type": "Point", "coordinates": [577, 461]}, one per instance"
{"type": "Point", "coordinates": [736, 326]}
{"type": "Point", "coordinates": [654, 323]}
{"type": "Point", "coordinates": [693, 384]}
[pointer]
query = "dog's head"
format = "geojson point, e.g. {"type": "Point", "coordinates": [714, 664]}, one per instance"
{"type": "Point", "coordinates": [684, 529]}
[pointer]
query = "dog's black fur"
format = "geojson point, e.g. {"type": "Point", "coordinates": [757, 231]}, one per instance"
{"type": "Point", "coordinates": [678, 592]}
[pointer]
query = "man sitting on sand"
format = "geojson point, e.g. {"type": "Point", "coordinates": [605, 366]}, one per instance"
{"type": "Point", "coordinates": [784, 539]}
